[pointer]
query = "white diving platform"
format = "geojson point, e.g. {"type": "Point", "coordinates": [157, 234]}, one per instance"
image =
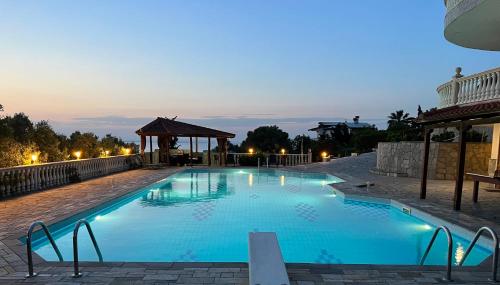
{"type": "Point", "coordinates": [265, 262]}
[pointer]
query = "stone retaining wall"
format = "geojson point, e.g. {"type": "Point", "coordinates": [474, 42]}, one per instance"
{"type": "Point", "coordinates": [405, 159]}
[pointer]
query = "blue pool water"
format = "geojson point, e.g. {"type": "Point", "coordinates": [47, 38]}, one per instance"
{"type": "Point", "coordinates": [205, 215]}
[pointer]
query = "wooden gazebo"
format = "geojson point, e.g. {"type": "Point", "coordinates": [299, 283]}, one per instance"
{"type": "Point", "coordinates": [462, 117]}
{"type": "Point", "coordinates": [165, 129]}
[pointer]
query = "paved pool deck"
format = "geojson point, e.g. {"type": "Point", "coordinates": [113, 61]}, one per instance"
{"type": "Point", "coordinates": [57, 204]}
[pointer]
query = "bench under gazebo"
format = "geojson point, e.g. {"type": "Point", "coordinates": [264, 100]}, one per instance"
{"type": "Point", "coordinates": [167, 129]}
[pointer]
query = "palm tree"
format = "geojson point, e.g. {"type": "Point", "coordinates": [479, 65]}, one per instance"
{"type": "Point", "coordinates": [399, 118]}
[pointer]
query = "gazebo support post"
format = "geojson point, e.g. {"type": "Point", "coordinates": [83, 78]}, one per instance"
{"type": "Point", "coordinates": [427, 146]}
{"type": "Point", "coordinates": [151, 149]}
{"type": "Point", "coordinates": [224, 154]}
{"type": "Point", "coordinates": [191, 151]}
{"type": "Point", "coordinates": [221, 143]}
{"type": "Point", "coordinates": [167, 143]}
{"type": "Point", "coordinates": [143, 145]}
{"type": "Point", "coordinates": [459, 182]}
{"type": "Point", "coordinates": [209, 161]}
{"type": "Point", "coordinates": [196, 142]}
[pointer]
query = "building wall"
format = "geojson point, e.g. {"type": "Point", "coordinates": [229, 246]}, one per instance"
{"type": "Point", "coordinates": [406, 158]}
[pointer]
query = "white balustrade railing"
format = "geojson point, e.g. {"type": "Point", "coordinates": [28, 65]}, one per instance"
{"type": "Point", "coordinates": [450, 4]}
{"type": "Point", "coordinates": [30, 178]}
{"type": "Point", "coordinates": [478, 87]}
{"type": "Point", "coordinates": [268, 160]}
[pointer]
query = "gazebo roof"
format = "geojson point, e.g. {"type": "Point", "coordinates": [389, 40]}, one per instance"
{"type": "Point", "coordinates": [163, 126]}
{"type": "Point", "coordinates": [474, 111]}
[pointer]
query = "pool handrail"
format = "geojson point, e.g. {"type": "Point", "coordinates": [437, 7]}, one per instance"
{"type": "Point", "coordinates": [495, 251]}
{"type": "Point", "coordinates": [77, 272]}
{"type": "Point", "coordinates": [450, 249]}
{"type": "Point", "coordinates": [29, 247]}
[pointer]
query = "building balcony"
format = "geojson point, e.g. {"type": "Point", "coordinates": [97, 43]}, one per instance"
{"type": "Point", "coordinates": [473, 23]}
{"type": "Point", "coordinates": [478, 87]}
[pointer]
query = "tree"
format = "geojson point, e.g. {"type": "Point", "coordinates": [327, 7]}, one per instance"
{"type": "Point", "coordinates": [21, 127]}
{"type": "Point", "coordinates": [475, 136]}
{"type": "Point", "coordinates": [446, 136]}
{"type": "Point", "coordinates": [86, 143]}
{"type": "Point", "coordinates": [14, 153]}
{"type": "Point", "coordinates": [364, 140]}
{"type": "Point", "coordinates": [111, 144]}
{"type": "Point", "coordinates": [399, 118]}
{"type": "Point", "coordinates": [269, 139]}
{"type": "Point", "coordinates": [64, 145]}
{"type": "Point", "coordinates": [402, 127]}
{"type": "Point", "coordinates": [230, 148]}
{"type": "Point", "coordinates": [302, 143]}
{"type": "Point", "coordinates": [5, 129]}
{"type": "Point", "coordinates": [48, 142]}
{"type": "Point", "coordinates": [115, 145]}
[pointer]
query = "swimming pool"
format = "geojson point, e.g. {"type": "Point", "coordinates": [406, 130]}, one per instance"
{"type": "Point", "coordinates": [201, 215]}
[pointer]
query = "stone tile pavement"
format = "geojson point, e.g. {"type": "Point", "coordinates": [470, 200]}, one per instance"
{"type": "Point", "coordinates": [57, 204]}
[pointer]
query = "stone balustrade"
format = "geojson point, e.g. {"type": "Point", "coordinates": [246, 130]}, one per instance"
{"type": "Point", "coordinates": [474, 88]}
{"type": "Point", "coordinates": [25, 179]}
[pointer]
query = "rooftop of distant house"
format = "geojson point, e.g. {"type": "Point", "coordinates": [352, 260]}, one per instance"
{"type": "Point", "coordinates": [355, 124]}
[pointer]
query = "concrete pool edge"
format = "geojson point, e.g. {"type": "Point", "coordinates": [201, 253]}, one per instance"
{"type": "Point", "coordinates": [20, 250]}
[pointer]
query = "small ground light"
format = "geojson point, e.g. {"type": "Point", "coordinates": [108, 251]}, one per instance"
{"type": "Point", "coordinates": [34, 158]}
{"type": "Point", "coordinates": [107, 152]}
{"type": "Point", "coordinates": [127, 151]}
{"type": "Point", "coordinates": [283, 151]}
{"type": "Point", "coordinates": [77, 154]}
{"type": "Point", "coordinates": [250, 150]}
{"type": "Point", "coordinates": [324, 154]}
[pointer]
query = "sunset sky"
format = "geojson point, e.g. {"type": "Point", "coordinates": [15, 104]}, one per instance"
{"type": "Point", "coordinates": [110, 66]}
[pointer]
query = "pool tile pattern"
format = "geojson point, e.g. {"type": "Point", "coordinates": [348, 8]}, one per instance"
{"type": "Point", "coordinates": [292, 188]}
{"type": "Point", "coordinates": [325, 257]}
{"type": "Point", "coordinates": [306, 212]}
{"type": "Point", "coordinates": [254, 196]}
{"type": "Point", "coordinates": [188, 256]}
{"type": "Point", "coordinates": [204, 210]}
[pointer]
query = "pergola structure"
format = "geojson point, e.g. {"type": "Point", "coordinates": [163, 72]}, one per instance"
{"type": "Point", "coordinates": [462, 117]}
{"type": "Point", "coordinates": [166, 129]}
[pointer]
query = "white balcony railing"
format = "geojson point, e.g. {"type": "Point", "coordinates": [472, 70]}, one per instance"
{"type": "Point", "coordinates": [450, 4]}
{"type": "Point", "coordinates": [469, 89]}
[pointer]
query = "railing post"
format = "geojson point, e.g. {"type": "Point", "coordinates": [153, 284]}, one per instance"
{"type": "Point", "coordinates": [497, 86]}
{"type": "Point", "coordinates": [455, 87]}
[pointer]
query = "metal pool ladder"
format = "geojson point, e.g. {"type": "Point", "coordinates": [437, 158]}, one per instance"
{"type": "Point", "coordinates": [29, 248]}
{"type": "Point", "coordinates": [450, 250]}
{"type": "Point", "coordinates": [77, 272]}
{"type": "Point", "coordinates": [495, 251]}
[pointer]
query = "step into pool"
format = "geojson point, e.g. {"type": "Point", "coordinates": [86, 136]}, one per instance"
{"type": "Point", "coordinates": [205, 215]}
